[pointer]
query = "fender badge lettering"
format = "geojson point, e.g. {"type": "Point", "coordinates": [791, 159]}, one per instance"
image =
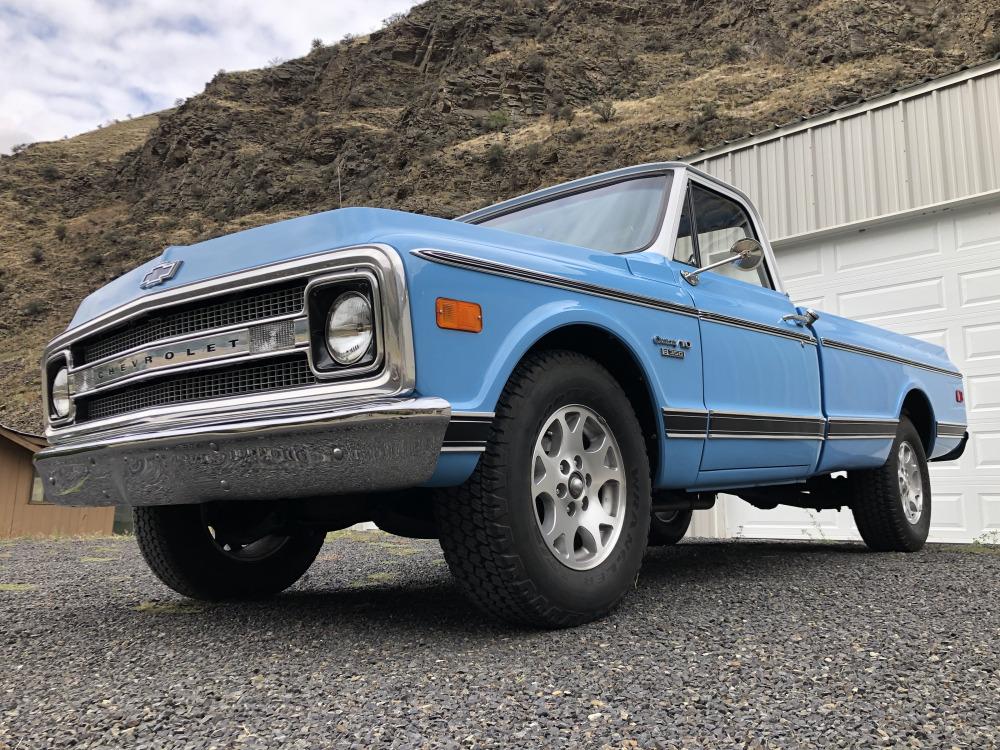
{"type": "Point", "coordinates": [672, 348]}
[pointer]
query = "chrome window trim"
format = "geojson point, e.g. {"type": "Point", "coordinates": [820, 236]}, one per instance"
{"type": "Point", "coordinates": [664, 243]}
{"type": "Point", "coordinates": [396, 378]}
{"type": "Point", "coordinates": [726, 190]}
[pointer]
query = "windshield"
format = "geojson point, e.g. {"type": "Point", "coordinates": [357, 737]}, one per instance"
{"type": "Point", "coordinates": [618, 218]}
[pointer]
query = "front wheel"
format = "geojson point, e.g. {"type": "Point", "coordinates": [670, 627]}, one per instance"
{"type": "Point", "coordinates": [551, 528]}
{"type": "Point", "coordinates": [892, 504]}
{"type": "Point", "coordinates": [231, 556]}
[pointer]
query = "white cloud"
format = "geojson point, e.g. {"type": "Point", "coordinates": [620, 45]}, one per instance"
{"type": "Point", "coordinates": [68, 65]}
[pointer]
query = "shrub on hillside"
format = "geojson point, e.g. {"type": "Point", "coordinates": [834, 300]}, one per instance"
{"type": "Point", "coordinates": [498, 120]}
{"type": "Point", "coordinates": [496, 155]}
{"type": "Point", "coordinates": [604, 109]}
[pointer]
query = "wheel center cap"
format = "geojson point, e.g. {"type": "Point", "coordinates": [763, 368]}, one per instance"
{"type": "Point", "coordinates": [576, 485]}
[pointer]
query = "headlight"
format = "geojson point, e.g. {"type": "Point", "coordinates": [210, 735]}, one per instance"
{"type": "Point", "coordinates": [60, 393]}
{"type": "Point", "coordinates": [349, 328]}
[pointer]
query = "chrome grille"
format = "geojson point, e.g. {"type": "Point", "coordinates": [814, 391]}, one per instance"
{"type": "Point", "coordinates": [267, 302]}
{"type": "Point", "coordinates": [236, 380]}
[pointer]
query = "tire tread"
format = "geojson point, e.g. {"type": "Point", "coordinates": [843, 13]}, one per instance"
{"type": "Point", "coordinates": [477, 543]}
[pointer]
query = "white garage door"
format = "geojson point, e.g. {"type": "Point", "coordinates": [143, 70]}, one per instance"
{"type": "Point", "coordinates": [936, 277]}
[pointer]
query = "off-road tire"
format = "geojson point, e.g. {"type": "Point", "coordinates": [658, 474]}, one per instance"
{"type": "Point", "coordinates": [876, 501]}
{"type": "Point", "coordinates": [665, 532]}
{"type": "Point", "coordinates": [179, 550]}
{"type": "Point", "coordinates": [488, 527]}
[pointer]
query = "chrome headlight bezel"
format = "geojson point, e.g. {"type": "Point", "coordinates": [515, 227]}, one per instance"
{"type": "Point", "coordinates": [323, 295]}
{"type": "Point", "coordinates": [58, 391]}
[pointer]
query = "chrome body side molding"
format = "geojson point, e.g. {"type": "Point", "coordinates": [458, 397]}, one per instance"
{"type": "Point", "coordinates": [537, 277]}
{"type": "Point", "coordinates": [713, 425]}
{"type": "Point", "coordinates": [951, 429]}
{"type": "Point", "coordinates": [468, 432]}
{"type": "Point", "coordinates": [855, 349]}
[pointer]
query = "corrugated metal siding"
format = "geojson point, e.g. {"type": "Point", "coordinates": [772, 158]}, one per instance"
{"type": "Point", "coordinates": [941, 143]}
{"type": "Point", "coordinates": [18, 517]}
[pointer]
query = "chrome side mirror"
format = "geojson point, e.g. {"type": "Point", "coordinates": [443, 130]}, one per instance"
{"type": "Point", "coordinates": [747, 253]}
{"type": "Point", "coordinates": [750, 254]}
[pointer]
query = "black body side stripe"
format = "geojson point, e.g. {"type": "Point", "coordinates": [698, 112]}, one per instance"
{"type": "Point", "coordinates": [685, 423]}
{"type": "Point", "coordinates": [861, 429]}
{"type": "Point", "coordinates": [854, 349]}
{"type": "Point", "coordinates": [701, 425]}
{"type": "Point", "coordinates": [692, 423]}
{"type": "Point", "coordinates": [467, 432]}
{"type": "Point", "coordinates": [722, 425]}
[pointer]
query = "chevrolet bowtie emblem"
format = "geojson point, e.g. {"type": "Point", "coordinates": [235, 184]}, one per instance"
{"type": "Point", "coordinates": [159, 274]}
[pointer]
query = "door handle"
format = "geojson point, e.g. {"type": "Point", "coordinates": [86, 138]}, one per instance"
{"type": "Point", "coordinates": [809, 317]}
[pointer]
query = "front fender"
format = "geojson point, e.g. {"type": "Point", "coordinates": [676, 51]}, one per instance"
{"type": "Point", "coordinates": [470, 370]}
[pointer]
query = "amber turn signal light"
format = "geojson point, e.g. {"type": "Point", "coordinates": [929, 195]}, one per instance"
{"type": "Point", "coordinates": [456, 315]}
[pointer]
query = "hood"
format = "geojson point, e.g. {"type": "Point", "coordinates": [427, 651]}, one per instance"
{"type": "Point", "coordinates": [251, 248]}
{"type": "Point", "coordinates": [321, 233]}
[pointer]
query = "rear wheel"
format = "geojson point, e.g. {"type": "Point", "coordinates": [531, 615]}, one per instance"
{"type": "Point", "coordinates": [551, 528]}
{"type": "Point", "coordinates": [892, 504]}
{"type": "Point", "coordinates": [668, 527]}
{"type": "Point", "coordinates": [228, 556]}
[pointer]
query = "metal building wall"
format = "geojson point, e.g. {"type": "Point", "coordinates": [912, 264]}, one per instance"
{"type": "Point", "coordinates": [933, 143]}
{"type": "Point", "coordinates": [19, 517]}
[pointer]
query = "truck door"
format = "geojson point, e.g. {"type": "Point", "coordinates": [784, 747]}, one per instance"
{"type": "Point", "coordinates": [761, 370]}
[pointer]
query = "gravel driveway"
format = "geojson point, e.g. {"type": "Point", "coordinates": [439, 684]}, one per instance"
{"type": "Point", "coordinates": [722, 644]}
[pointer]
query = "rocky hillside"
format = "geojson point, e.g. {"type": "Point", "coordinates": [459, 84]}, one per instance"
{"type": "Point", "coordinates": [451, 107]}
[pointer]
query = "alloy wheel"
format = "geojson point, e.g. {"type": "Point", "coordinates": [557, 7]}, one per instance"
{"type": "Point", "coordinates": [578, 487]}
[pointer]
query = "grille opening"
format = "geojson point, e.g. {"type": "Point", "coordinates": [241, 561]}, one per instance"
{"type": "Point", "coordinates": [237, 380]}
{"type": "Point", "coordinates": [234, 309]}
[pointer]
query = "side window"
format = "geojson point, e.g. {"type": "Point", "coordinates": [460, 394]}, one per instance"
{"type": "Point", "coordinates": [719, 222]}
{"type": "Point", "coordinates": [684, 249]}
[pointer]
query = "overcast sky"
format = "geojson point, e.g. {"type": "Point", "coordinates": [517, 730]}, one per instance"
{"type": "Point", "coordinates": [68, 65]}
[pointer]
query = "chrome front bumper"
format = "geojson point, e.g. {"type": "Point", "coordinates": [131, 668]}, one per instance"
{"type": "Point", "coordinates": [313, 450]}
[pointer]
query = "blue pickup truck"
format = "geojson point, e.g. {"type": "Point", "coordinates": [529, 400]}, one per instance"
{"type": "Point", "coordinates": [546, 386]}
